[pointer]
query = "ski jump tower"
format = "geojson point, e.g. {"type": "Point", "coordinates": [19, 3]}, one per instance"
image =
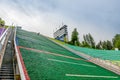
{"type": "Point", "coordinates": [61, 34]}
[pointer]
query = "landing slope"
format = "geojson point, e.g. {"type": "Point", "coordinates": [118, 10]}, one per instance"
{"type": "Point", "coordinates": [45, 60]}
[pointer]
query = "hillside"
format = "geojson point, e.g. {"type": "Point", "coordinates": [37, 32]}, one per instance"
{"type": "Point", "coordinates": [45, 60]}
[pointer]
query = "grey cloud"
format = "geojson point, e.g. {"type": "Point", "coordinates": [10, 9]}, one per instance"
{"type": "Point", "coordinates": [94, 16]}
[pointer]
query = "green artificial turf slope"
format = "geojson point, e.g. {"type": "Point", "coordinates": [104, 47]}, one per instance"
{"type": "Point", "coordinates": [40, 67]}
{"type": "Point", "coordinates": [102, 54]}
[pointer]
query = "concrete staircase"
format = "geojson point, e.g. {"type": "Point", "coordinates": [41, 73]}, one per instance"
{"type": "Point", "coordinates": [6, 70]}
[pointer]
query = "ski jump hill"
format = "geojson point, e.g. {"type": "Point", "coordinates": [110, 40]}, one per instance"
{"type": "Point", "coordinates": [41, 58]}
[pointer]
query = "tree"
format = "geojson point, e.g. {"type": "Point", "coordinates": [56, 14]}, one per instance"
{"type": "Point", "coordinates": [65, 39]}
{"type": "Point", "coordinates": [104, 45]}
{"type": "Point", "coordinates": [85, 42]}
{"type": "Point", "coordinates": [74, 38]}
{"type": "Point", "coordinates": [116, 41]}
{"type": "Point", "coordinates": [88, 41]}
{"type": "Point", "coordinates": [109, 45]}
{"type": "Point", "coordinates": [2, 23]}
{"type": "Point", "coordinates": [99, 45]}
{"type": "Point", "coordinates": [92, 42]}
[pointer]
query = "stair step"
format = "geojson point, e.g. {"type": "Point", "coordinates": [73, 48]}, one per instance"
{"type": "Point", "coordinates": [7, 74]}
{"type": "Point", "coordinates": [6, 78]}
{"type": "Point", "coordinates": [6, 69]}
{"type": "Point", "coordinates": [6, 66]}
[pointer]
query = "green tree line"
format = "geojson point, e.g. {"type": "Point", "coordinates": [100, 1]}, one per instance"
{"type": "Point", "coordinates": [90, 42]}
{"type": "Point", "coordinates": [2, 23]}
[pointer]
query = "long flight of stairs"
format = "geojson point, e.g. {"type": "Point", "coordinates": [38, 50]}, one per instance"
{"type": "Point", "coordinates": [6, 70]}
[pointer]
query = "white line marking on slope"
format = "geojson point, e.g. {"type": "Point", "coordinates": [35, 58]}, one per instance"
{"type": "Point", "coordinates": [70, 62]}
{"type": "Point", "coordinates": [94, 76]}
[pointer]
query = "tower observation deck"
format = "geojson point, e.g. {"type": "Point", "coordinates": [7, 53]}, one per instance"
{"type": "Point", "coordinates": [61, 34]}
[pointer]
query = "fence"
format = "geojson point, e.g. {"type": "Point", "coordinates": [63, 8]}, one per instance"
{"type": "Point", "coordinates": [3, 37]}
{"type": "Point", "coordinates": [3, 42]}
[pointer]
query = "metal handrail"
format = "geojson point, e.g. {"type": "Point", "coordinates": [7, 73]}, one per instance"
{"type": "Point", "coordinates": [22, 75]}
{"type": "Point", "coordinates": [3, 37]}
{"type": "Point", "coordinates": [4, 34]}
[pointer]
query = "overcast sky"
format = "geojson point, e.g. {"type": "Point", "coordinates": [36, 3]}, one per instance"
{"type": "Point", "coordinates": [101, 18]}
